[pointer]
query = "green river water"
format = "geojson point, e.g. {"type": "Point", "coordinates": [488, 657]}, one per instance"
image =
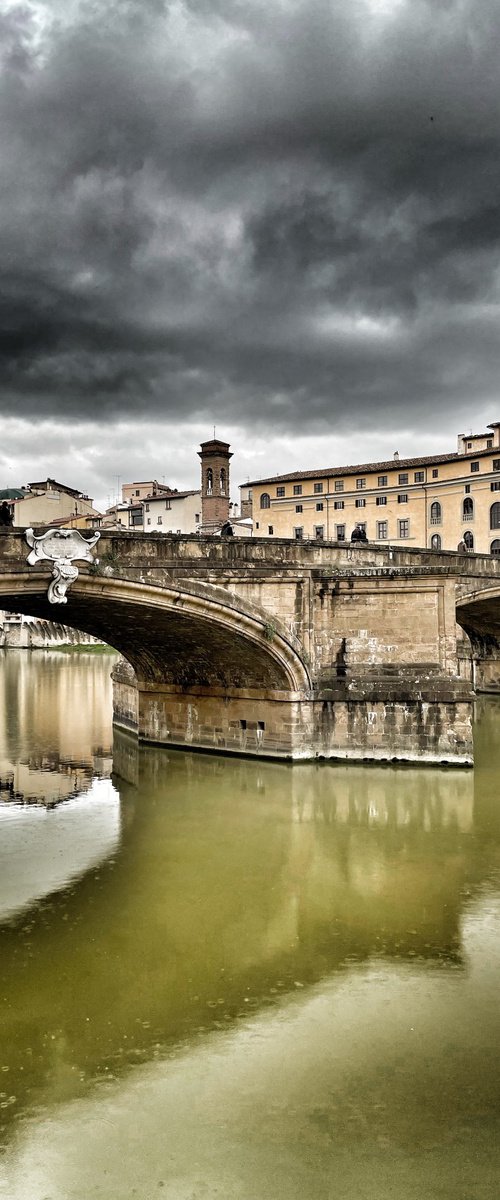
{"type": "Point", "coordinates": [237, 980]}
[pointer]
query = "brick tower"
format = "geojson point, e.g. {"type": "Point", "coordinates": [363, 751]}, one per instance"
{"type": "Point", "coordinates": [215, 457]}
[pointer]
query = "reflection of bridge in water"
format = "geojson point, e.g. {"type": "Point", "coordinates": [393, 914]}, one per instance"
{"type": "Point", "coordinates": [233, 881]}
{"type": "Point", "coordinates": [285, 649]}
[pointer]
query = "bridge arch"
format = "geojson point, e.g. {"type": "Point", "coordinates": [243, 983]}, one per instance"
{"type": "Point", "coordinates": [187, 634]}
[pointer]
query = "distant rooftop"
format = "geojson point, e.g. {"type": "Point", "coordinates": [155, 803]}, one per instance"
{"type": "Point", "coordinates": [391, 464]}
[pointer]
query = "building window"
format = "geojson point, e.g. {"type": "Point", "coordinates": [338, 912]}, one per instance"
{"type": "Point", "coordinates": [318, 532]}
{"type": "Point", "coordinates": [256, 524]}
{"type": "Point", "coordinates": [468, 509]}
{"type": "Point", "coordinates": [495, 548]}
{"type": "Point", "coordinates": [467, 488]}
{"type": "Point", "coordinates": [160, 520]}
{"type": "Point", "coordinates": [436, 541]}
{"type": "Point", "coordinates": [148, 521]}
{"type": "Point", "coordinates": [382, 530]}
{"type": "Point", "coordinates": [495, 516]}
{"type": "Point", "coordinates": [340, 532]}
{"type": "Point", "coordinates": [403, 478]}
{"type": "Point", "coordinates": [338, 504]}
{"type": "Point", "coordinates": [210, 481]}
{"type": "Point", "coordinates": [360, 502]}
{"type": "Point", "coordinates": [168, 504]}
{"type": "Point", "coordinates": [297, 489]}
{"type": "Point", "coordinates": [469, 445]}
{"type": "Point", "coordinates": [299, 508]}
{"type": "Point", "coordinates": [495, 486]}
{"type": "Point", "coordinates": [435, 473]}
{"type": "Point", "coordinates": [436, 513]}
{"type": "Point", "coordinates": [382, 481]}
{"type": "Point", "coordinates": [137, 491]}
{"type": "Point", "coordinates": [265, 500]}
{"type": "Point", "coordinates": [469, 539]}
{"type": "Point", "coordinates": [404, 528]}
{"type": "Point", "coordinates": [339, 485]}
{"type": "Point", "coordinates": [381, 500]}
{"type": "Point", "coordinates": [298, 533]}
{"type": "Point", "coordinates": [489, 443]}
{"type": "Point", "coordinates": [222, 481]}
{"type": "Point", "coordinates": [146, 506]}
{"type": "Point", "coordinates": [419, 476]}
{"type": "Point", "coordinates": [403, 498]}
{"type": "Point", "coordinates": [496, 464]}
{"type": "Point", "coordinates": [360, 484]}
{"type": "Point", "coordinates": [318, 487]}
{"type": "Point", "coordinates": [280, 491]}
{"type": "Point", "coordinates": [197, 518]}
{"type": "Point", "coordinates": [270, 530]}
{"type": "Point", "coordinates": [474, 466]}
{"type": "Point", "coordinates": [319, 506]}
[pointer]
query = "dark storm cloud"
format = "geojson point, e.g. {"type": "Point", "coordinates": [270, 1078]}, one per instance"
{"type": "Point", "coordinates": [275, 212]}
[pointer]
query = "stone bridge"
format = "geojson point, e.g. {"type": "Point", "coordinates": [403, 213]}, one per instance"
{"type": "Point", "coordinates": [281, 648]}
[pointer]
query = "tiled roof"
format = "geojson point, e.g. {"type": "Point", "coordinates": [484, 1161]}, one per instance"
{"type": "Point", "coordinates": [174, 495]}
{"type": "Point", "coordinates": [392, 464]}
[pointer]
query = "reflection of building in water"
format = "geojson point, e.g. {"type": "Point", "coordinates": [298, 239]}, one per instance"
{"type": "Point", "coordinates": [55, 723]}
{"type": "Point", "coordinates": [48, 780]}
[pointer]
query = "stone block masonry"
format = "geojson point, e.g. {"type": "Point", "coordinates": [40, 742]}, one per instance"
{"type": "Point", "coordinates": [282, 649]}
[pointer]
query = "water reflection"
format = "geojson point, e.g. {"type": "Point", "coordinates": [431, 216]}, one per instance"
{"type": "Point", "coordinates": [297, 925]}
{"type": "Point", "coordinates": [41, 852]}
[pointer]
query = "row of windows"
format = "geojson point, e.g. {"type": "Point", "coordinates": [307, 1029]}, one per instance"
{"type": "Point", "coordinates": [382, 481]}
{"type": "Point", "coordinates": [340, 530]}
{"type": "Point", "coordinates": [383, 534]}
{"type": "Point", "coordinates": [436, 511]}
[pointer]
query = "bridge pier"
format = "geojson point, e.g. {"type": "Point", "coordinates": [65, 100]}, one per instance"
{"type": "Point", "coordinates": [378, 726]}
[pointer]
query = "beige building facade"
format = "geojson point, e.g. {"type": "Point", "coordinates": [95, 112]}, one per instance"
{"type": "Point", "coordinates": [440, 502]}
{"type": "Point", "coordinates": [177, 512]}
{"type": "Point", "coordinates": [51, 503]}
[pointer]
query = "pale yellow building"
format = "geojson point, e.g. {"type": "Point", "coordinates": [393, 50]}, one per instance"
{"type": "Point", "coordinates": [50, 503]}
{"type": "Point", "coordinates": [437, 501]}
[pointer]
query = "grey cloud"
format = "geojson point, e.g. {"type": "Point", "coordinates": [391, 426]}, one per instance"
{"type": "Point", "coordinates": [267, 211]}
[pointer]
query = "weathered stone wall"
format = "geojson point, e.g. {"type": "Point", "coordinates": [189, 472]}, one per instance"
{"type": "Point", "coordinates": [357, 730]}
{"type": "Point", "coordinates": [277, 647]}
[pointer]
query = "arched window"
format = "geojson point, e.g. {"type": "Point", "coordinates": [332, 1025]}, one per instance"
{"type": "Point", "coordinates": [468, 509]}
{"type": "Point", "coordinates": [495, 548]}
{"type": "Point", "coordinates": [436, 541]}
{"type": "Point", "coordinates": [265, 500]}
{"type": "Point", "coordinates": [222, 482]}
{"type": "Point", "coordinates": [210, 481]}
{"type": "Point", "coordinates": [469, 539]}
{"type": "Point", "coordinates": [435, 513]}
{"type": "Point", "coordinates": [495, 516]}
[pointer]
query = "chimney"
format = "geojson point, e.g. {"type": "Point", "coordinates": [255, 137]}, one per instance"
{"type": "Point", "coordinates": [396, 455]}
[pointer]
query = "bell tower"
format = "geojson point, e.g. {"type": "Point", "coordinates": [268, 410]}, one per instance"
{"type": "Point", "coordinates": [215, 496]}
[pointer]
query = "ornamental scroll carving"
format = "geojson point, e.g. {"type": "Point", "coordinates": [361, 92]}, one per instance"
{"type": "Point", "coordinates": [61, 546]}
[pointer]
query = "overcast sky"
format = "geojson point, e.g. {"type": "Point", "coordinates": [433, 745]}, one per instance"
{"type": "Point", "coordinates": [278, 216]}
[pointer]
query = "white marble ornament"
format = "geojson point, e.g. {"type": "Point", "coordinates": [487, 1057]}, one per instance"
{"type": "Point", "coordinates": [61, 546]}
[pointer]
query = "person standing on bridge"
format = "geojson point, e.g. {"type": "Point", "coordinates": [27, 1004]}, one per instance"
{"type": "Point", "coordinates": [6, 515]}
{"type": "Point", "coordinates": [358, 534]}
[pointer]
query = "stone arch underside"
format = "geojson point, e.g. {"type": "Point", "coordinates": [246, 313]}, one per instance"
{"type": "Point", "coordinates": [478, 613]}
{"type": "Point", "coordinates": [171, 636]}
